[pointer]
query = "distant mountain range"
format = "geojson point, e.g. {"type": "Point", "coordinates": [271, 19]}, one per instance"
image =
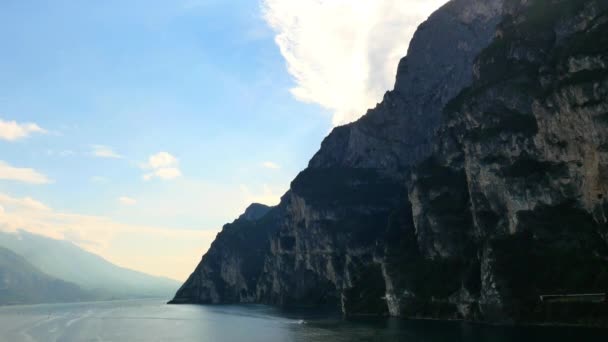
{"type": "Point", "coordinates": [22, 283]}
{"type": "Point", "coordinates": [67, 266]}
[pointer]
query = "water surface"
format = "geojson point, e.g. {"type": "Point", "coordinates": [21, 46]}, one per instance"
{"type": "Point", "coordinates": [152, 320]}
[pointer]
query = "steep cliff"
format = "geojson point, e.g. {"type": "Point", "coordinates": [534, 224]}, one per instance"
{"type": "Point", "coordinates": [477, 184]}
{"type": "Point", "coordinates": [514, 196]}
{"type": "Point", "coordinates": [337, 210]}
{"type": "Point", "coordinates": [398, 132]}
{"type": "Point", "coordinates": [229, 271]}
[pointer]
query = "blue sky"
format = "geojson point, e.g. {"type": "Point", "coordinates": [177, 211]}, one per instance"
{"type": "Point", "coordinates": [169, 117]}
{"type": "Point", "coordinates": [205, 83]}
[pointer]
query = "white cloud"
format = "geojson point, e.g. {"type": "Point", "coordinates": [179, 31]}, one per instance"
{"type": "Point", "coordinates": [12, 130]}
{"type": "Point", "coordinates": [343, 54]}
{"type": "Point", "coordinates": [155, 250]}
{"type": "Point", "coordinates": [163, 165]}
{"type": "Point", "coordinates": [24, 175]}
{"type": "Point", "coordinates": [161, 159]}
{"type": "Point", "coordinates": [27, 203]}
{"type": "Point", "coordinates": [166, 245]}
{"type": "Point", "coordinates": [102, 151]}
{"type": "Point", "coordinates": [166, 173]}
{"type": "Point", "coordinates": [271, 165]}
{"type": "Point", "coordinates": [124, 200]}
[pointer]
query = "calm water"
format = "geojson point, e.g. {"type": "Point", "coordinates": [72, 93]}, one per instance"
{"type": "Point", "coordinates": [154, 321]}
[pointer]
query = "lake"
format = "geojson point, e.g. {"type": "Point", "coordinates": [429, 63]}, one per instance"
{"type": "Point", "coordinates": [152, 320]}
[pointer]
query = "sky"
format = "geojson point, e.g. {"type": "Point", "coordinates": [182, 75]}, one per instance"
{"type": "Point", "coordinates": [136, 129]}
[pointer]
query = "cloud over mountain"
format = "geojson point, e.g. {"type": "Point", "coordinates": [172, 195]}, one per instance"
{"type": "Point", "coordinates": [343, 54]}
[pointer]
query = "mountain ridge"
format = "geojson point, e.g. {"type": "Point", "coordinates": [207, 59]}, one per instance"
{"type": "Point", "coordinates": [22, 283]}
{"type": "Point", "coordinates": [64, 260]}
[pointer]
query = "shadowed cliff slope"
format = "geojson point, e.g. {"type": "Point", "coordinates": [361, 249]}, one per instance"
{"type": "Point", "coordinates": [514, 196]}
{"type": "Point", "coordinates": [228, 273]}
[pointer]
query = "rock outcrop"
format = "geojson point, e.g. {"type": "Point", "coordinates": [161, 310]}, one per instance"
{"type": "Point", "coordinates": [478, 184]}
{"type": "Point", "coordinates": [514, 195]}
{"type": "Point", "coordinates": [398, 132]}
{"type": "Point", "coordinates": [229, 271]}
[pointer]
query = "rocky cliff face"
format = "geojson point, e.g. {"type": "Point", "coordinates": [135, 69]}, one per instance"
{"type": "Point", "coordinates": [398, 132]}
{"type": "Point", "coordinates": [462, 195]}
{"type": "Point", "coordinates": [228, 272]}
{"type": "Point", "coordinates": [514, 196]}
{"type": "Point", "coordinates": [336, 213]}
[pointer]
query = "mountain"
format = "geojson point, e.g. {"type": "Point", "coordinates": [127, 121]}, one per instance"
{"type": "Point", "coordinates": [476, 186]}
{"type": "Point", "coordinates": [66, 261]}
{"type": "Point", "coordinates": [513, 199]}
{"type": "Point", "coordinates": [22, 283]}
{"type": "Point", "coordinates": [229, 271]}
{"type": "Point", "coordinates": [339, 205]}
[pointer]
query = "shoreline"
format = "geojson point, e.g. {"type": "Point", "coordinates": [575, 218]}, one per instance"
{"type": "Point", "coordinates": [356, 317]}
